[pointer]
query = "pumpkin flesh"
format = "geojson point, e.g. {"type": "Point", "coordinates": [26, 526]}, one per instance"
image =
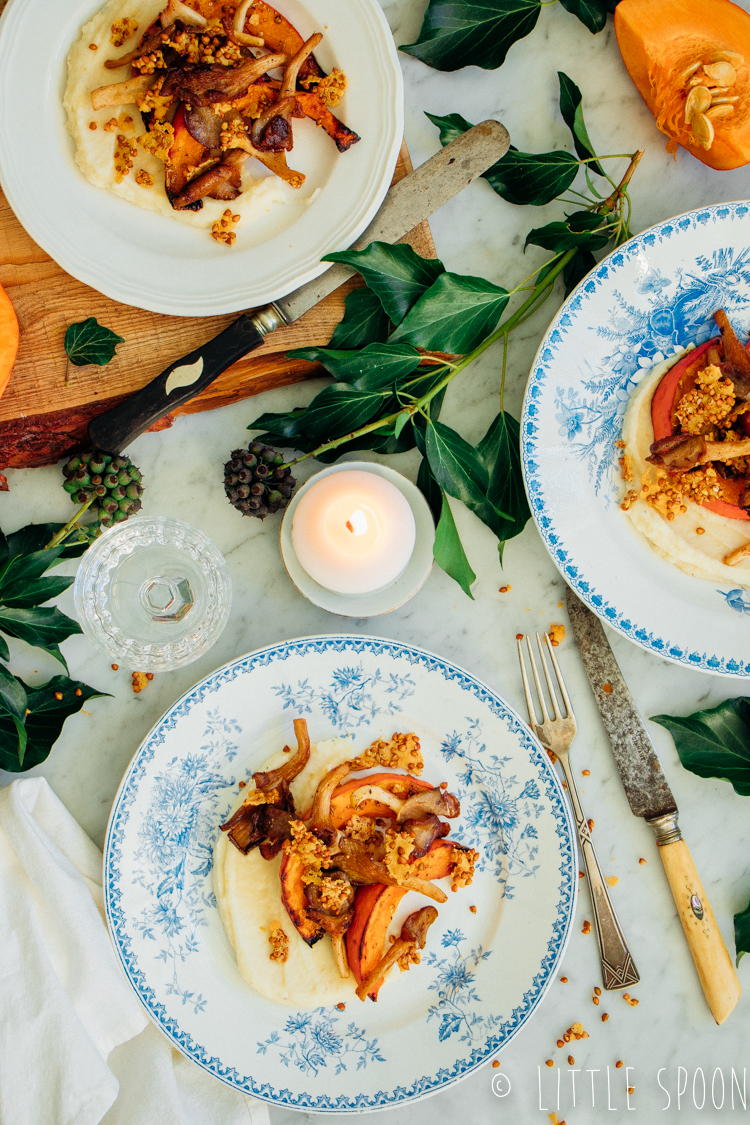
{"type": "Point", "coordinates": [666, 46]}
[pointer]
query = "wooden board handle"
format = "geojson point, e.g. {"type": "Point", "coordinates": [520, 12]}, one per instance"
{"type": "Point", "coordinates": [719, 980]}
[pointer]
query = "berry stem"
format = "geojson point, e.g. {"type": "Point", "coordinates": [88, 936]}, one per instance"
{"type": "Point", "coordinates": [63, 533]}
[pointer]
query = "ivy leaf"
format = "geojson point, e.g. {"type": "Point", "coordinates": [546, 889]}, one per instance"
{"type": "Point", "coordinates": [281, 429]}
{"type": "Point", "coordinates": [45, 721]}
{"type": "Point", "coordinates": [560, 236]}
{"type": "Point", "coordinates": [523, 178]}
{"type": "Point", "coordinates": [13, 712]}
{"type": "Point", "coordinates": [571, 99]}
{"type": "Point", "coordinates": [449, 551]}
{"type": "Point", "coordinates": [455, 464]}
{"type": "Point", "coordinates": [372, 368]}
{"type": "Point", "coordinates": [457, 33]}
{"type": "Point", "coordinates": [592, 13]}
{"type": "Point", "coordinates": [35, 537]}
{"type": "Point", "coordinates": [742, 932]}
{"type": "Point", "coordinates": [90, 342]}
{"type": "Point", "coordinates": [500, 451]}
{"type": "Point", "coordinates": [454, 315]}
{"type": "Point", "coordinates": [364, 322]}
{"type": "Point", "coordinates": [715, 742]}
{"type": "Point", "coordinates": [396, 274]}
{"type": "Point", "coordinates": [582, 262]}
{"type": "Point", "coordinates": [430, 489]}
{"type": "Point", "coordinates": [335, 411]}
{"type": "Point", "coordinates": [45, 627]}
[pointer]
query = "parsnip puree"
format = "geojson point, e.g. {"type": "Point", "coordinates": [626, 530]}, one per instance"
{"type": "Point", "coordinates": [679, 541]}
{"type": "Point", "coordinates": [248, 894]}
{"type": "Point", "coordinates": [95, 147]}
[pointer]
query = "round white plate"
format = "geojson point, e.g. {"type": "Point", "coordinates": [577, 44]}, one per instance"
{"type": "Point", "coordinates": [406, 585]}
{"type": "Point", "coordinates": [482, 975]}
{"type": "Point", "coordinates": [153, 261]}
{"type": "Point", "coordinates": [641, 304]}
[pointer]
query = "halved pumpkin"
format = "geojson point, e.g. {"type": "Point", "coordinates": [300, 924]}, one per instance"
{"type": "Point", "coordinates": [677, 382]}
{"type": "Point", "coordinates": [9, 334]}
{"type": "Point", "coordinates": [666, 46]}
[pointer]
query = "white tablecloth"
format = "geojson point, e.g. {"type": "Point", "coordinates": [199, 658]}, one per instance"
{"type": "Point", "coordinates": [76, 1048]}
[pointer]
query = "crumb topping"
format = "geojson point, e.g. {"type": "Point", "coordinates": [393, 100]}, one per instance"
{"type": "Point", "coordinates": [398, 849]}
{"type": "Point", "coordinates": [708, 403]}
{"type": "Point", "coordinates": [402, 751]}
{"type": "Point", "coordinates": [158, 140]}
{"type": "Point", "coordinates": [279, 943]}
{"type": "Point", "coordinates": [312, 851]}
{"type": "Point", "coordinates": [122, 30]}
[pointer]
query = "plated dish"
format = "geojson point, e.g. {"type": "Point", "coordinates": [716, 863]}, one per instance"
{"type": "Point", "coordinates": [482, 973]}
{"type": "Point", "coordinates": [631, 320]}
{"type": "Point", "coordinates": [147, 258]}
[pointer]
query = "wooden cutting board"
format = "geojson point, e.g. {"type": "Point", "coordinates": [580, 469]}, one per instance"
{"type": "Point", "coordinates": [48, 403]}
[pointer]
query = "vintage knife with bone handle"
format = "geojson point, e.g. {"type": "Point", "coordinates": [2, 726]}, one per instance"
{"type": "Point", "coordinates": [649, 796]}
{"type": "Point", "coordinates": [405, 206]}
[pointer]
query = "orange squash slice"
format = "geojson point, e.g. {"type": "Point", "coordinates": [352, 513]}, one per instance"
{"type": "Point", "coordinates": [8, 338]}
{"type": "Point", "coordinates": [690, 60]}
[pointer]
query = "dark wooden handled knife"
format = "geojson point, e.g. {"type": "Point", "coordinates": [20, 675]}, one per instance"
{"type": "Point", "coordinates": [410, 201]}
{"type": "Point", "coordinates": [649, 796]}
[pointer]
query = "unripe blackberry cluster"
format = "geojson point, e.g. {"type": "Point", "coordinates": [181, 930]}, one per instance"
{"type": "Point", "coordinates": [113, 483]}
{"type": "Point", "coordinates": [257, 482]}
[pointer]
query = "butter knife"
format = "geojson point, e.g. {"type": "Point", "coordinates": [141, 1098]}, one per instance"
{"type": "Point", "coordinates": [407, 203]}
{"type": "Point", "coordinates": [649, 796]}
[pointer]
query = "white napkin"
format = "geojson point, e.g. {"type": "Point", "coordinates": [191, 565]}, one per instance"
{"type": "Point", "coordinates": [75, 1045]}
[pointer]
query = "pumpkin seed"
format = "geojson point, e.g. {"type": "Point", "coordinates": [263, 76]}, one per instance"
{"type": "Point", "coordinates": [690, 70]}
{"type": "Point", "coordinates": [717, 111]}
{"type": "Point", "coordinates": [703, 130]}
{"type": "Point", "coordinates": [698, 80]}
{"type": "Point", "coordinates": [724, 100]}
{"type": "Point", "coordinates": [723, 73]}
{"type": "Point", "coordinates": [733, 57]}
{"type": "Point", "coordinates": [698, 100]}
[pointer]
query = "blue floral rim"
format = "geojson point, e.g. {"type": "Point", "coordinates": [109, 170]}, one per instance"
{"type": "Point", "coordinates": [183, 1041]}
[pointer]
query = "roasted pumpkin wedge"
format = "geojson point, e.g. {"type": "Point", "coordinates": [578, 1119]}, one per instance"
{"type": "Point", "coordinates": [293, 897]}
{"type": "Point", "coordinates": [8, 338]}
{"type": "Point", "coordinates": [690, 60]}
{"type": "Point", "coordinates": [400, 784]}
{"type": "Point", "coordinates": [678, 381]}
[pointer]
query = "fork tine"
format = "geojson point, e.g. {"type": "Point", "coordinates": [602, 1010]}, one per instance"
{"type": "Point", "coordinates": [552, 695]}
{"type": "Point", "coordinates": [527, 693]}
{"type": "Point", "coordinates": [540, 693]}
{"type": "Point", "coordinates": [560, 680]}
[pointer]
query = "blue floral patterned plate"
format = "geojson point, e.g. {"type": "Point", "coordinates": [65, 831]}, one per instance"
{"type": "Point", "coordinates": [644, 302]}
{"type": "Point", "coordinates": [483, 974]}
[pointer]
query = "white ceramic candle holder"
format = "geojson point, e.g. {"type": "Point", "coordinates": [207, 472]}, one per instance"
{"type": "Point", "coordinates": [382, 601]}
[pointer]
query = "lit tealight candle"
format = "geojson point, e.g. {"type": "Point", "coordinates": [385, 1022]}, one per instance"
{"type": "Point", "coordinates": [353, 532]}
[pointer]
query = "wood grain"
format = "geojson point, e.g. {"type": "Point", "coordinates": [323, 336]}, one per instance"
{"type": "Point", "coordinates": [717, 974]}
{"type": "Point", "coordinates": [48, 403]}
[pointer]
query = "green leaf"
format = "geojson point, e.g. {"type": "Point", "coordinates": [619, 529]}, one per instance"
{"type": "Point", "coordinates": [364, 322]}
{"type": "Point", "coordinates": [25, 594]}
{"type": "Point", "coordinates": [571, 99]}
{"type": "Point", "coordinates": [715, 742]}
{"type": "Point", "coordinates": [559, 237]}
{"type": "Point", "coordinates": [13, 710]}
{"type": "Point", "coordinates": [90, 342]}
{"type": "Point", "coordinates": [44, 627]}
{"type": "Point", "coordinates": [36, 536]}
{"type": "Point", "coordinates": [449, 552]}
{"type": "Point", "coordinates": [582, 262]}
{"type": "Point", "coordinates": [592, 13]}
{"type": "Point", "coordinates": [430, 489]}
{"type": "Point", "coordinates": [396, 274]}
{"type": "Point", "coordinates": [44, 723]}
{"type": "Point", "coordinates": [455, 314]}
{"type": "Point", "coordinates": [457, 33]}
{"type": "Point", "coordinates": [4, 650]}
{"type": "Point", "coordinates": [372, 368]}
{"type": "Point", "coordinates": [500, 452]}
{"type": "Point", "coordinates": [523, 178]}
{"type": "Point", "coordinates": [455, 464]}
{"type": "Point", "coordinates": [742, 933]}
{"type": "Point", "coordinates": [26, 568]}
{"type": "Point", "coordinates": [280, 429]}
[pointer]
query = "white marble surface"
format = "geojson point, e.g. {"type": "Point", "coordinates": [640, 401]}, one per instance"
{"type": "Point", "coordinates": [477, 234]}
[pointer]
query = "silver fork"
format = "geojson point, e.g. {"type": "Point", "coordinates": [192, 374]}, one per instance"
{"type": "Point", "coordinates": [557, 733]}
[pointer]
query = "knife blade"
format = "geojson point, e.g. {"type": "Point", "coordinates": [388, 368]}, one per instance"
{"type": "Point", "coordinates": [650, 797]}
{"type": "Point", "coordinates": [407, 203]}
